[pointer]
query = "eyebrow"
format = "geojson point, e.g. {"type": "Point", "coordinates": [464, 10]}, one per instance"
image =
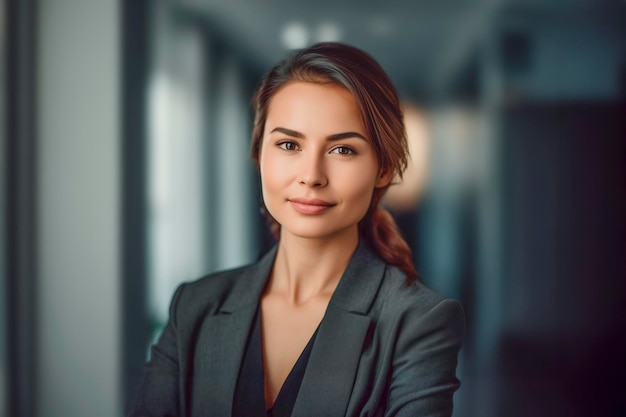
{"type": "Point", "coordinates": [336, 136]}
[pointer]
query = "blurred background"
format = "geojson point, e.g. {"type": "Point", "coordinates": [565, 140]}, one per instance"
{"type": "Point", "coordinates": [125, 171]}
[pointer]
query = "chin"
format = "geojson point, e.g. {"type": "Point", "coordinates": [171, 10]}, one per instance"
{"type": "Point", "coordinates": [305, 232]}
{"type": "Point", "coordinates": [317, 231]}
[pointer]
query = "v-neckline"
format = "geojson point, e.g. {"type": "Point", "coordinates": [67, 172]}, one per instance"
{"type": "Point", "coordinates": [288, 392]}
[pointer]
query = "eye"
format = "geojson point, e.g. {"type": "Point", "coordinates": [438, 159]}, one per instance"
{"type": "Point", "coordinates": [288, 145]}
{"type": "Point", "coordinates": [343, 150]}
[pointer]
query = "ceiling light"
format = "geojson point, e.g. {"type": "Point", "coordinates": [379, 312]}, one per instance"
{"type": "Point", "coordinates": [328, 32]}
{"type": "Point", "coordinates": [295, 35]}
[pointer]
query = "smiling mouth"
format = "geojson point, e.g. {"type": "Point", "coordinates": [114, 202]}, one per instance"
{"type": "Point", "coordinates": [310, 206]}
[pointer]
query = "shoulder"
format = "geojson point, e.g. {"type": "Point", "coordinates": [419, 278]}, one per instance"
{"type": "Point", "coordinates": [209, 294]}
{"type": "Point", "coordinates": [414, 306]}
{"type": "Point", "coordinates": [422, 331]}
{"type": "Point", "coordinates": [216, 285]}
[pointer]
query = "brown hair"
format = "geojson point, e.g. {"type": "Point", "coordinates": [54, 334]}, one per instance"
{"type": "Point", "coordinates": [380, 111]}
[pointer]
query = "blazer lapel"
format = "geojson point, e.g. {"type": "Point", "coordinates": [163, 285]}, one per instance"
{"type": "Point", "coordinates": [223, 337]}
{"type": "Point", "coordinates": [217, 366]}
{"type": "Point", "coordinates": [330, 373]}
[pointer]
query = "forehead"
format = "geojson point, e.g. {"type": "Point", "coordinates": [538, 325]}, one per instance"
{"type": "Point", "coordinates": [314, 108]}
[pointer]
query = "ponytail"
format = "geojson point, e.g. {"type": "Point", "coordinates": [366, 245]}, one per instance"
{"type": "Point", "coordinates": [381, 232]}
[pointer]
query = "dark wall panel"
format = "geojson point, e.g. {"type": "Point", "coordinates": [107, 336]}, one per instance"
{"type": "Point", "coordinates": [565, 241]}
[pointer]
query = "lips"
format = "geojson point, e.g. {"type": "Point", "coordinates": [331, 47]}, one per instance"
{"type": "Point", "coordinates": [310, 206]}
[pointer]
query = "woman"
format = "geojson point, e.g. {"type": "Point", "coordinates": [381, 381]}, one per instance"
{"type": "Point", "coordinates": [333, 321]}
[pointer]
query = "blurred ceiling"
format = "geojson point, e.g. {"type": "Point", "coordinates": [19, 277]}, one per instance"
{"type": "Point", "coordinates": [425, 45]}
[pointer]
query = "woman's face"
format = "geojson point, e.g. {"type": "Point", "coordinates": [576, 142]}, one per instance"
{"type": "Point", "coordinates": [318, 168]}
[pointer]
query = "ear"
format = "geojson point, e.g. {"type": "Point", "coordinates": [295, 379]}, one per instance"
{"type": "Point", "coordinates": [384, 178]}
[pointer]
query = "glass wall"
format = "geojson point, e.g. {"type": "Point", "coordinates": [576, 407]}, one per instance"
{"type": "Point", "coordinates": [201, 192]}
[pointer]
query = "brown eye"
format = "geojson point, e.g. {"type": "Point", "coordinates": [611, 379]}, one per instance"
{"type": "Point", "coordinates": [343, 150]}
{"type": "Point", "coordinates": [288, 145]}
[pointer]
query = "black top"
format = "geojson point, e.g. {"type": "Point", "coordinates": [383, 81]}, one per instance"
{"type": "Point", "coordinates": [249, 394]}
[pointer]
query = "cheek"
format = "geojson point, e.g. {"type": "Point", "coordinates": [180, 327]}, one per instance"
{"type": "Point", "coordinates": [359, 190]}
{"type": "Point", "coordinates": [270, 179]}
{"type": "Point", "coordinates": [266, 181]}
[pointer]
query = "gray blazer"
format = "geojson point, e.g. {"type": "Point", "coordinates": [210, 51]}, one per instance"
{"type": "Point", "coordinates": [383, 348]}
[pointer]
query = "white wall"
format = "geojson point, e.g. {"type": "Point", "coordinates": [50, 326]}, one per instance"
{"type": "Point", "coordinates": [78, 198]}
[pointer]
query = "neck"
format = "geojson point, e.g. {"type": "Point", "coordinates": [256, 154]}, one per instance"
{"type": "Point", "coordinates": [307, 268]}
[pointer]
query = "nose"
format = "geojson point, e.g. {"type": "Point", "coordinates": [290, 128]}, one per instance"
{"type": "Point", "coordinates": [312, 172]}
